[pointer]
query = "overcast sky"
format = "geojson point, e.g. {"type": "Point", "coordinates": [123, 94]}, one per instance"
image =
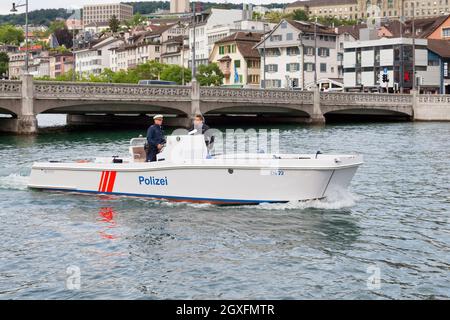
{"type": "Point", "coordinates": [5, 5]}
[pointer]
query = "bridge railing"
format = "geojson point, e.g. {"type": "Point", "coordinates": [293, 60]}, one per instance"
{"type": "Point", "coordinates": [434, 99]}
{"type": "Point", "coordinates": [337, 98]}
{"type": "Point", "coordinates": [77, 90]}
{"type": "Point", "coordinates": [10, 89]}
{"type": "Point", "coordinates": [260, 95]}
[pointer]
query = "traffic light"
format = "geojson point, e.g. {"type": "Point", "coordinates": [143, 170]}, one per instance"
{"type": "Point", "coordinates": [385, 78]}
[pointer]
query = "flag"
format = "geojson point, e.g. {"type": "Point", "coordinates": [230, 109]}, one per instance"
{"type": "Point", "coordinates": [236, 75]}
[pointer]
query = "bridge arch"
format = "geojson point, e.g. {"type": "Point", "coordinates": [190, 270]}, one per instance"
{"type": "Point", "coordinates": [111, 107]}
{"type": "Point", "coordinates": [367, 113]}
{"type": "Point", "coordinates": [11, 107]}
{"type": "Point", "coordinates": [256, 108]}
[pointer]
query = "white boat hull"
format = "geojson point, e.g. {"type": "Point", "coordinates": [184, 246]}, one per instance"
{"type": "Point", "coordinates": [213, 181]}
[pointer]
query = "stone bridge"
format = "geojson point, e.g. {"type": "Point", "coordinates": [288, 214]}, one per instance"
{"type": "Point", "coordinates": [24, 100]}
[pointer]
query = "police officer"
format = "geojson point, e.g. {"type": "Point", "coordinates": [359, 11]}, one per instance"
{"type": "Point", "coordinates": [202, 128]}
{"type": "Point", "coordinates": [155, 138]}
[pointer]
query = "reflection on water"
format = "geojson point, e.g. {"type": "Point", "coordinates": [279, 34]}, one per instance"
{"type": "Point", "coordinates": [107, 217]}
{"type": "Point", "coordinates": [396, 218]}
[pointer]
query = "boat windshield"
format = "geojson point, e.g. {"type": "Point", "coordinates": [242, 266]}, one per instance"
{"type": "Point", "coordinates": [137, 142]}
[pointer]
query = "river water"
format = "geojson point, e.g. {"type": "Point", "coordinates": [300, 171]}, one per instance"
{"type": "Point", "coordinates": [389, 237]}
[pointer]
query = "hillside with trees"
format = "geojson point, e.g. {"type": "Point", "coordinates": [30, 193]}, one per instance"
{"type": "Point", "coordinates": [36, 17]}
{"type": "Point", "coordinates": [47, 16]}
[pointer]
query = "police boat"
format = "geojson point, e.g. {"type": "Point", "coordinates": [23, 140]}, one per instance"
{"type": "Point", "coordinates": [184, 171]}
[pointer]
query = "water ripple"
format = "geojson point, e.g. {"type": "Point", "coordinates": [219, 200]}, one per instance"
{"type": "Point", "coordinates": [395, 218]}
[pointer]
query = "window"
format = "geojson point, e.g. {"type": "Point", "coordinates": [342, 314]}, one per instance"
{"type": "Point", "coordinates": [294, 82]}
{"type": "Point", "coordinates": [433, 63]}
{"type": "Point", "coordinates": [272, 68]}
{"type": "Point", "coordinates": [358, 77]}
{"type": "Point", "coordinates": [272, 83]}
{"type": "Point", "coordinates": [377, 56]}
{"type": "Point", "coordinates": [221, 50]}
{"type": "Point", "coordinates": [272, 52]}
{"type": "Point", "coordinates": [253, 78]}
{"type": "Point", "coordinates": [292, 51]}
{"type": "Point", "coordinates": [309, 66]}
{"type": "Point", "coordinates": [276, 37]}
{"type": "Point", "coordinates": [324, 52]}
{"type": "Point", "coordinates": [289, 36]}
{"type": "Point", "coordinates": [446, 32]}
{"type": "Point", "coordinates": [309, 51]}
{"type": "Point", "coordinates": [323, 67]}
{"type": "Point", "coordinates": [254, 64]}
{"type": "Point", "coordinates": [292, 67]}
{"type": "Point", "coordinates": [284, 25]}
{"type": "Point", "coordinates": [237, 63]}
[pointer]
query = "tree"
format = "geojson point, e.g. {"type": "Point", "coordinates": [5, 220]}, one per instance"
{"type": "Point", "coordinates": [114, 24]}
{"type": "Point", "coordinates": [209, 75]}
{"type": "Point", "coordinates": [64, 37]}
{"type": "Point", "coordinates": [257, 16]}
{"type": "Point", "coordinates": [336, 22]}
{"type": "Point", "coordinates": [60, 49]}
{"type": "Point", "coordinates": [273, 16]}
{"type": "Point", "coordinates": [137, 20]}
{"type": "Point", "coordinates": [55, 26]}
{"type": "Point", "coordinates": [4, 61]}
{"type": "Point", "coordinates": [11, 35]}
{"type": "Point", "coordinates": [150, 70]}
{"type": "Point", "coordinates": [175, 73]}
{"type": "Point", "coordinates": [300, 15]}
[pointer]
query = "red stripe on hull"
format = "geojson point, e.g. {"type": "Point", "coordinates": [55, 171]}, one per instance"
{"type": "Point", "coordinates": [112, 179]}
{"type": "Point", "coordinates": [105, 181]}
{"type": "Point", "coordinates": [101, 181]}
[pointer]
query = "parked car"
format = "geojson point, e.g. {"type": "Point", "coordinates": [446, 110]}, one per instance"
{"type": "Point", "coordinates": [156, 82]}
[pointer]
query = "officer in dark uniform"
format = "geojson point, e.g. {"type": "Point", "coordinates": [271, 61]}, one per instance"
{"type": "Point", "coordinates": [155, 138]}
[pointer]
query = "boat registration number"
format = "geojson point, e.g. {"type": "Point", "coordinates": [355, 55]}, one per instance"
{"type": "Point", "coordinates": [274, 172]}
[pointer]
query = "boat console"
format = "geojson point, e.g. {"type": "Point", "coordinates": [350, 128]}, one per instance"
{"type": "Point", "coordinates": [177, 148]}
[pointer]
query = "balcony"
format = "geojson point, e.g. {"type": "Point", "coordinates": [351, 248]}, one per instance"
{"type": "Point", "coordinates": [225, 66]}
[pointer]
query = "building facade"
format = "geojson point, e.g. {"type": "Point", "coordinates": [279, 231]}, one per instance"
{"type": "Point", "coordinates": [365, 63]}
{"type": "Point", "coordinates": [145, 46]}
{"type": "Point", "coordinates": [104, 12]}
{"type": "Point", "coordinates": [342, 9]}
{"type": "Point", "coordinates": [60, 64]}
{"type": "Point", "coordinates": [442, 50]}
{"type": "Point", "coordinates": [363, 9]}
{"type": "Point", "coordinates": [238, 59]}
{"type": "Point", "coordinates": [176, 51]}
{"type": "Point", "coordinates": [290, 56]}
{"type": "Point", "coordinates": [93, 60]}
{"type": "Point", "coordinates": [204, 23]}
{"type": "Point", "coordinates": [179, 6]}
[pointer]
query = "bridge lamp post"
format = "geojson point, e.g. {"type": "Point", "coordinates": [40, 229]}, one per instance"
{"type": "Point", "coordinates": [264, 55]}
{"type": "Point", "coordinates": [315, 54]}
{"type": "Point", "coordinates": [185, 30]}
{"type": "Point", "coordinates": [14, 9]}
{"type": "Point", "coordinates": [302, 60]}
{"type": "Point", "coordinates": [194, 22]}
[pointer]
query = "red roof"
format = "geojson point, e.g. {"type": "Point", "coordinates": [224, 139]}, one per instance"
{"type": "Point", "coordinates": [36, 47]}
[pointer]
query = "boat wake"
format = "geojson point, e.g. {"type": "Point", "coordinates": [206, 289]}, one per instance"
{"type": "Point", "coordinates": [339, 200]}
{"type": "Point", "coordinates": [14, 181]}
